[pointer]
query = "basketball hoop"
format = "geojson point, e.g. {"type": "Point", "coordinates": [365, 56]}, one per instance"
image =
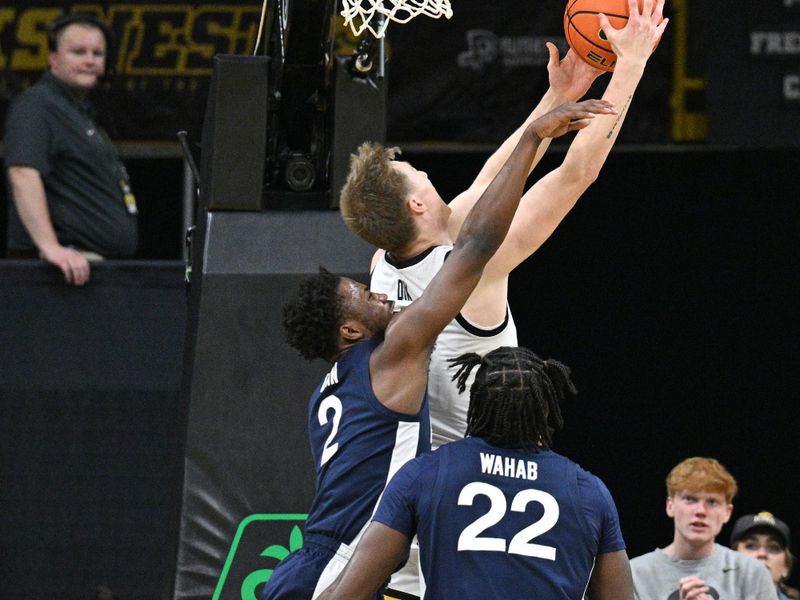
{"type": "Point", "coordinates": [376, 14]}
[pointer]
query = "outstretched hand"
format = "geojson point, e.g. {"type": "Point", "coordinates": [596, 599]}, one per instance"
{"type": "Point", "coordinates": [641, 33]}
{"type": "Point", "coordinates": [570, 77]}
{"type": "Point", "coordinates": [569, 117]}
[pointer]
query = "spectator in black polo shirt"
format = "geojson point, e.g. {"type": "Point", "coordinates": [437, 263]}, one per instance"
{"type": "Point", "coordinates": [71, 192]}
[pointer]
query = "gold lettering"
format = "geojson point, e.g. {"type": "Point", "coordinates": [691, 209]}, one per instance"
{"type": "Point", "coordinates": [222, 30]}
{"type": "Point", "coordinates": [32, 35]}
{"type": "Point", "coordinates": [161, 43]}
{"type": "Point", "coordinates": [6, 17]}
{"type": "Point", "coordinates": [150, 39]}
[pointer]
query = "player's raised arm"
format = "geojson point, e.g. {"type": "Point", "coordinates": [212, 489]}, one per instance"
{"type": "Point", "coordinates": [399, 365]}
{"type": "Point", "coordinates": [570, 79]}
{"type": "Point", "coordinates": [548, 201]}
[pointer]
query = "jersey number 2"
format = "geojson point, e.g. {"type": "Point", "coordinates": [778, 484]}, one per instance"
{"type": "Point", "coordinates": [331, 403]}
{"type": "Point", "coordinates": [470, 538]}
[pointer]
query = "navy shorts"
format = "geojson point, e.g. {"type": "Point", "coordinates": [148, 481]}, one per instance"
{"type": "Point", "coordinates": [298, 575]}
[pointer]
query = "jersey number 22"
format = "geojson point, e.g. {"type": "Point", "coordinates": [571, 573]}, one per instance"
{"type": "Point", "coordinates": [470, 538]}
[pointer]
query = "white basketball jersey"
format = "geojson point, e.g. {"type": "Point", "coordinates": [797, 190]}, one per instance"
{"type": "Point", "coordinates": [406, 280]}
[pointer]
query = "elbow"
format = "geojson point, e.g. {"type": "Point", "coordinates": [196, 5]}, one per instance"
{"type": "Point", "coordinates": [480, 249]}
{"type": "Point", "coordinates": [584, 171]}
{"type": "Point", "coordinates": [591, 172]}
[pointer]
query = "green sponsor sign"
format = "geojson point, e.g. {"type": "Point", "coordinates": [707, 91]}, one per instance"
{"type": "Point", "coordinates": [251, 561]}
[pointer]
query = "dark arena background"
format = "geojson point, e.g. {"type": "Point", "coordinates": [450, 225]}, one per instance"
{"type": "Point", "coordinates": [153, 430]}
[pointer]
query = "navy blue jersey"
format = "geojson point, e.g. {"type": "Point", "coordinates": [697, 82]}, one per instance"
{"type": "Point", "coordinates": [358, 445]}
{"type": "Point", "coordinates": [497, 523]}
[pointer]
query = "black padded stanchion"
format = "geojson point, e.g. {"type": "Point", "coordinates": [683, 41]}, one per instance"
{"type": "Point", "coordinates": [248, 477]}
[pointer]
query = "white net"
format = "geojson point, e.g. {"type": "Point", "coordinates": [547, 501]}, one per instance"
{"type": "Point", "coordinates": [375, 15]}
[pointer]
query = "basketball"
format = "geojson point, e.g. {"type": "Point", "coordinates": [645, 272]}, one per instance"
{"type": "Point", "coordinates": [583, 32]}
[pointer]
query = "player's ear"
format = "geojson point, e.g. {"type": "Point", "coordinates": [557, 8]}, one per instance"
{"type": "Point", "coordinates": [415, 205]}
{"type": "Point", "coordinates": [351, 331]}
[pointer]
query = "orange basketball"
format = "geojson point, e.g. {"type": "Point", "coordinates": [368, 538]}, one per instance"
{"type": "Point", "coordinates": [583, 32]}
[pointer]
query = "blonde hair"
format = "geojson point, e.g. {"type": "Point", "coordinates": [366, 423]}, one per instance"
{"type": "Point", "coordinates": [373, 199]}
{"type": "Point", "coordinates": [698, 474]}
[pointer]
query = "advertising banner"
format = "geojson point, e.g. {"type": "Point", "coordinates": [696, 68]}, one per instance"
{"type": "Point", "coordinates": [754, 73]}
{"type": "Point", "coordinates": [472, 78]}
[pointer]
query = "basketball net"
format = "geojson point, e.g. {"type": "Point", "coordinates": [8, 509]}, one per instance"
{"type": "Point", "coordinates": [375, 15]}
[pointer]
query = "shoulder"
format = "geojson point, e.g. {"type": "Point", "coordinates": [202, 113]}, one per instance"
{"type": "Point", "coordinates": [750, 574]}
{"type": "Point", "coordinates": [35, 97]}
{"type": "Point", "coordinates": [431, 255]}
{"type": "Point", "coordinates": [415, 469]}
{"type": "Point", "coordinates": [33, 111]}
{"type": "Point", "coordinates": [593, 489]}
{"type": "Point", "coordinates": [646, 560]}
{"type": "Point", "coordinates": [376, 258]}
{"type": "Point", "coordinates": [589, 480]}
{"type": "Point", "coordinates": [413, 479]}
{"type": "Point", "coordinates": [350, 369]}
{"type": "Point", "coordinates": [356, 354]}
{"type": "Point", "coordinates": [731, 557]}
{"type": "Point", "coordinates": [398, 507]}
{"type": "Point", "coordinates": [748, 565]}
{"type": "Point", "coordinates": [30, 123]}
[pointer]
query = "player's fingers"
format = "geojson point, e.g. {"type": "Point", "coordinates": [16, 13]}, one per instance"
{"type": "Point", "coordinates": [554, 57]}
{"type": "Point", "coordinates": [633, 8]}
{"type": "Point", "coordinates": [658, 13]}
{"type": "Point", "coordinates": [589, 110]}
{"type": "Point", "coordinates": [661, 27]}
{"type": "Point", "coordinates": [585, 117]}
{"type": "Point", "coordinates": [579, 124]}
{"type": "Point", "coordinates": [597, 105]}
{"type": "Point", "coordinates": [605, 25]}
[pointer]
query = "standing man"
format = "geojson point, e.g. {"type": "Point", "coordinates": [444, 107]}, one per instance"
{"type": "Point", "coordinates": [400, 211]}
{"type": "Point", "coordinates": [369, 415]}
{"type": "Point", "coordinates": [694, 566]}
{"type": "Point", "coordinates": [499, 515]}
{"type": "Point", "coordinates": [71, 192]}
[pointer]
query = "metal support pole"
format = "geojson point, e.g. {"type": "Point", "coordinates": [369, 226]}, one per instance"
{"type": "Point", "coordinates": [189, 194]}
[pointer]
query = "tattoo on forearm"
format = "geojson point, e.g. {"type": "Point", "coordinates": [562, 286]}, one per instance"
{"type": "Point", "coordinates": [619, 117]}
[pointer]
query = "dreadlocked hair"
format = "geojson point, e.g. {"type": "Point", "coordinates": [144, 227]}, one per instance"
{"type": "Point", "coordinates": [311, 319]}
{"type": "Point", "coordinates": [515, 398]}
